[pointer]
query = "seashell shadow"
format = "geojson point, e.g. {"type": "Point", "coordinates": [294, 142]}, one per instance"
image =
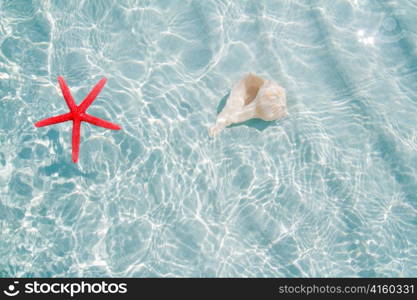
{"type": "Point", "coordinates": [256, 123]}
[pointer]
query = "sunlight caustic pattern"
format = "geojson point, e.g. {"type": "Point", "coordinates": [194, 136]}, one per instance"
{"type": "Point", "coordinates": [327, 191]}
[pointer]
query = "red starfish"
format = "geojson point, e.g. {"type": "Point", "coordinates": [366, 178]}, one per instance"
{"type": "Point", "coordinates": [77, 114]}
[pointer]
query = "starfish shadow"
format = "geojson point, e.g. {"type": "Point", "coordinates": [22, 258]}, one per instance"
{"type": "Point", "coordinates": [64, 168]}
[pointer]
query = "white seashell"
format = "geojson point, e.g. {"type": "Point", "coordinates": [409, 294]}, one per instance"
{"type": "Point", "coordinates": [251, 97]}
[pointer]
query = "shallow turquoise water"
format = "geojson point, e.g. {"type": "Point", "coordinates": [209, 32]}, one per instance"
{"type": "Point", "coordinates": [330, 190]}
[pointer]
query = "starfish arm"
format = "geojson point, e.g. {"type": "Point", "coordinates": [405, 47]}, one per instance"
{"type": "Point", "coordinates": [76, 128]}
{"type": "Point", "coordinates": [54, 120]}
{"type": "Point", "coordinates": [67, 94]}
{"type": "Point", "coordinates": [99, 122]}
{"type": "Point", "coordinates": [92, 95]}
